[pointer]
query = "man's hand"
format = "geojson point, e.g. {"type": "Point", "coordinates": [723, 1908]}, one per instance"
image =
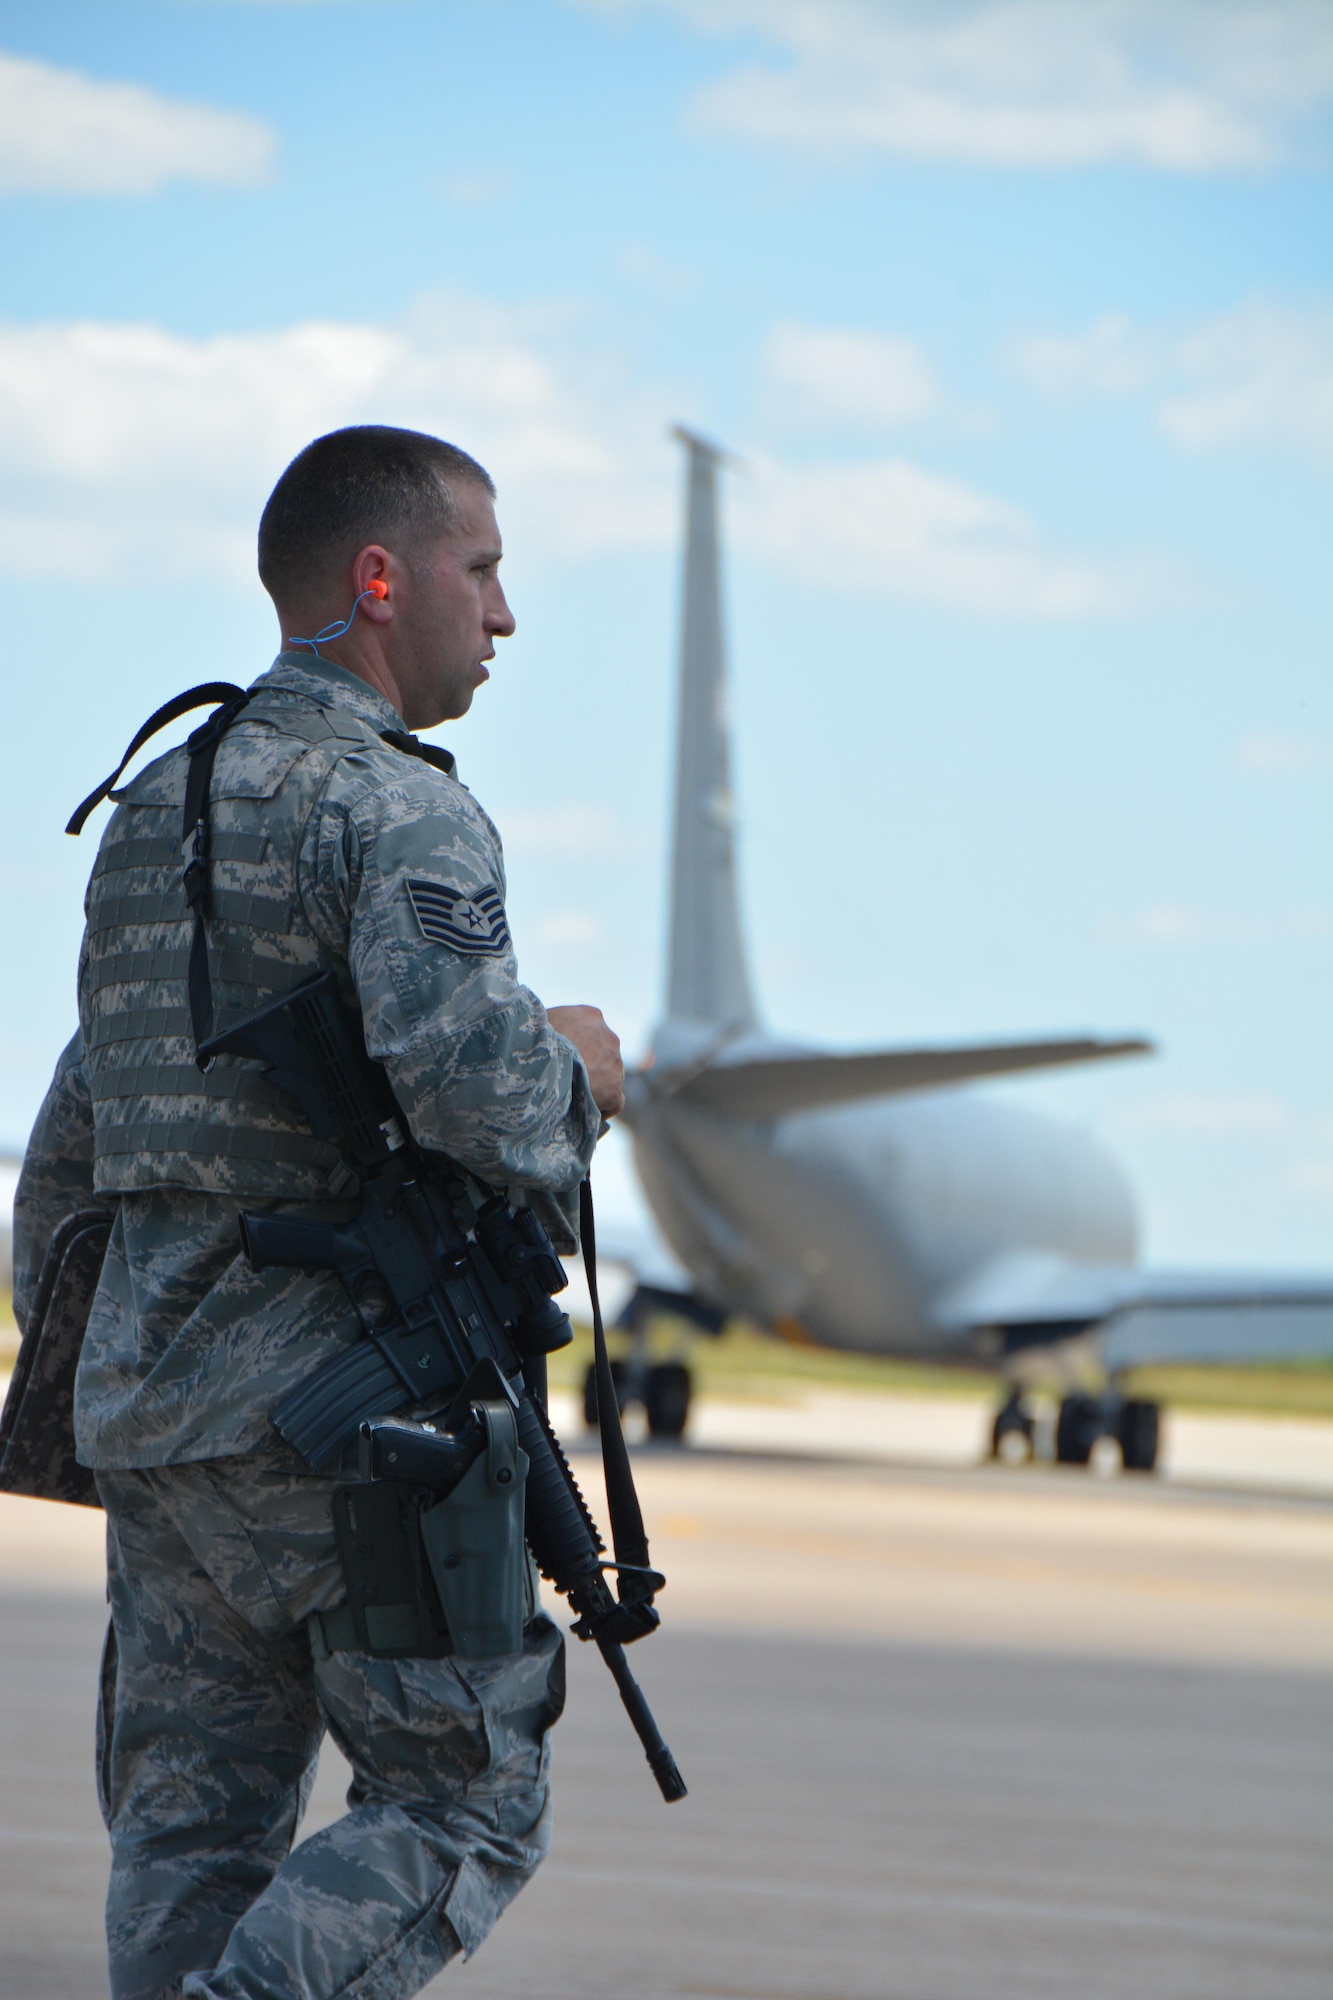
{"type": "Point", "coordinates": [600, 1048]}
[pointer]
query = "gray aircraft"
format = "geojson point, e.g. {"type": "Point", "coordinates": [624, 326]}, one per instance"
{"type": "Point", "coordinates": [872, 1202]}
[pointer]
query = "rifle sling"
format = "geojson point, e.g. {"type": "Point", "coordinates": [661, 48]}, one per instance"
{"type": "Point", "coordinates": [628, 1536]}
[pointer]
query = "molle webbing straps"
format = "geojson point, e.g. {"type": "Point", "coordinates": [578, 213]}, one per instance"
{"type": "Point", "coordinates": [203, 748]}
{"type": "Point", "coordinates": [170, 711]}
{"type": "Point", "coordinates": [196, 842]}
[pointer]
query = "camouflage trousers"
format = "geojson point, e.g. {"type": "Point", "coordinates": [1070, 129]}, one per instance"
{"type": "Point", "coordinates": [212, 1713]}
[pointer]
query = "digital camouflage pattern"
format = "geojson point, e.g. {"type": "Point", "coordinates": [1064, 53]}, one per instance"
{"type": "Point", "coordinates": [187, 1349]}
{"type": "Point", "coordinates": [220, 1541]}
{"type": "Point", "coordinates": [57, 1175]}
{"type": "Point", "coordinates": [37, 1454]}
{"type": "Point", "coordinates": [319, 827]}
{"type": "Point", "coordinates": [211, 1717]}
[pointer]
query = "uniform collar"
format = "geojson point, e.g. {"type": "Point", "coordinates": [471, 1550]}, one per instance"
{"type": "Point", "coordinates": [331, 686]}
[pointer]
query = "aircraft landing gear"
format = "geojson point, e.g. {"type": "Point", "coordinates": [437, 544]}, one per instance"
{"type": "Point", "coordinates": [666, 1399]}
{"type": "Point", "coordinates": [618, 1373]}
{"type": "Point", "coordinates": [1012, 1433]}
{"type": "Point", "coordinates": [1140, 1428]}
{"type": "Point", "coordinates": [663, 1389]}
{"type": "Point", "coordinates": [1107, 1432]}
{"type": "Point", "coordinates": [1084, 1420]}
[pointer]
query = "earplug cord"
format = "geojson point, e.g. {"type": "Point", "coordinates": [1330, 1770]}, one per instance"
{"type": "Point", "coordinates": [339, 629]}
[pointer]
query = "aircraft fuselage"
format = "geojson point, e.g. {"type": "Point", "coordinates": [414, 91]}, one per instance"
{"type": "Point", "coordinates": [861, 1223]}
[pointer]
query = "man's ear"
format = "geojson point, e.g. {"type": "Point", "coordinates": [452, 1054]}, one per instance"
{"type": "Point", "coordinates": [376, 573]}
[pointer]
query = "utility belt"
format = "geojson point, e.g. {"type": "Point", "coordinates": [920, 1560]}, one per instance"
{"type": "Point", "coordinates": [431, 1541]}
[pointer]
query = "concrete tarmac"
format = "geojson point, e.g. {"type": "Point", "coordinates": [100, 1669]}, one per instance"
{"type": "Point", "coordinates": [948, 1734]}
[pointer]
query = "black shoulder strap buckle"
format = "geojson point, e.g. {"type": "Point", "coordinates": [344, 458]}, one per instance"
{"type": "Point", "coordinates": [412, 746]}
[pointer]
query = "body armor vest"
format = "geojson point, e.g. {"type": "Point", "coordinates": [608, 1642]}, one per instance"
{"type": "Point", "coordinates": [159, 1121]}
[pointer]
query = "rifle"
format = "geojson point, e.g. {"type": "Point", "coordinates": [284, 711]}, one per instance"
{"type": "Point", "coordinates": [452, 1293]}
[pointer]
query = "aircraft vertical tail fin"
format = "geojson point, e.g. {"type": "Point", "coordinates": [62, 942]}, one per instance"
{"type": "Point", "coordinates": [707, 979]}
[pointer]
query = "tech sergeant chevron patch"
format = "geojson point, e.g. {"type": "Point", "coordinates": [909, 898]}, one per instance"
{"type": "Point", "coordinates": [465, 923]}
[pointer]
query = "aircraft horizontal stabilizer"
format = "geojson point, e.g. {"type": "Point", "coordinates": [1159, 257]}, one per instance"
{"type": "Point", "coordinates": [778, 1086]}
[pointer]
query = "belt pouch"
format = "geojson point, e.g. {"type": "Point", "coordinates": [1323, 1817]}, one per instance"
{"type": "Point", "coordinates": [475, 1546]}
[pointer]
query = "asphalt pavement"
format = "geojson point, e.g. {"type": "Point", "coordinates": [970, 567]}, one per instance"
{"type": "Point", "coordinates": [946, 1734]}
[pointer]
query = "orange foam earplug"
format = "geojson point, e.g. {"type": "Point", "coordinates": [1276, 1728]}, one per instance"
{"type": "Point", "coordinates": [376, 589]}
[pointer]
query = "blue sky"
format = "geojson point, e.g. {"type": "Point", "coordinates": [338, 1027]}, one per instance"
{"type": "Point", "coordinates": [1020, 318]}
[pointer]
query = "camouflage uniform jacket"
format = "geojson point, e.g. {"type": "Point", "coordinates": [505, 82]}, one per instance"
{"type": "Point", "coordinates": [187, 1349]}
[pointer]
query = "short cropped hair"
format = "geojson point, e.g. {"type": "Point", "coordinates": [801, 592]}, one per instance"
{"type": "Point", "coordinates": [368, 483]}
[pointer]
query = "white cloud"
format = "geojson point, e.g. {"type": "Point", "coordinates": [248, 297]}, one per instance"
{"type": "Point", "coordinates": [639, 261]}
{"type": "Point", "coordinates": [1112, 358]}
{"type": "Point", "coordinates": [1176, 924]}
{"type": "Point", "coordinates": [1181, 85]}
{"type": "Point", "coordinates": [117, 437]}
{"type": "Point", "coordinates": [831, 375]}
{"type": "Point", "coordinates": [887, 526]}
{"type": "Point", "coordinates": [65, 133]}
{"type": "Point", "coordinates": [1261, 375]}
{"type": "Point", "coordinates": [113, 436]}
{"type": "Point", "coordinates": [475, 190]}
{"type": "Point", "coordinates": [1299, 1144]}
{"type": "Point", "coordinates": [571, 929]}
{"type": "Point", "coordinates": [576, 832]}
{"type": "Point", "coordinates": [1209, 1117]}
{"type": "Point", "coordinates": [1272, 755]}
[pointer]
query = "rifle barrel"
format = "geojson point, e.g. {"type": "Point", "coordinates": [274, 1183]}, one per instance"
{"type": "Point", "coordinates": [660, 1760]}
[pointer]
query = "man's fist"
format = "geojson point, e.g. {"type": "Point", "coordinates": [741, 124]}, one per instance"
{"type": "Point", "coordinates": [600, 1048]}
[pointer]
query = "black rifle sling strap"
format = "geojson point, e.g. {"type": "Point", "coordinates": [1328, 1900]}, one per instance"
{"type": "Point", "coordinates": [195, 833]}
{"type": "Point", "coordinates": [430, 753]}
{"type": "Point", "coordinates": [628, 1536]}
{"type": "Point", "coordinates": [170, 711]}
{"type": "Point", "coordinates": [203, 748]}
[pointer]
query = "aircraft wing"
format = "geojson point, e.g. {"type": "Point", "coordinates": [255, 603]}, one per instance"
{"type": "Point", "coordinates": [767, 1087]}
{"type": "Point", "coordinates": [1147, 1316]}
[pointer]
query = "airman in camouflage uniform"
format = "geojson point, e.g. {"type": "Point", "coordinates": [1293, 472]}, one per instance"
{"type": "Point", "coordinates": [337, 844]}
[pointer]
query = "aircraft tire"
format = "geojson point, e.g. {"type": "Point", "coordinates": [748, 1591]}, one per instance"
{"type": "Point", "coordinates": [1139, 1430]}
{"type": "Point", "coordinates": [1077, 1429]}
{"type": "Point", "coordinates": [590, 1392]}
{"type": "Point", "coordinates": [1015, 1422]}
{"type": "Point", "coordinates": [666, 1399]}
